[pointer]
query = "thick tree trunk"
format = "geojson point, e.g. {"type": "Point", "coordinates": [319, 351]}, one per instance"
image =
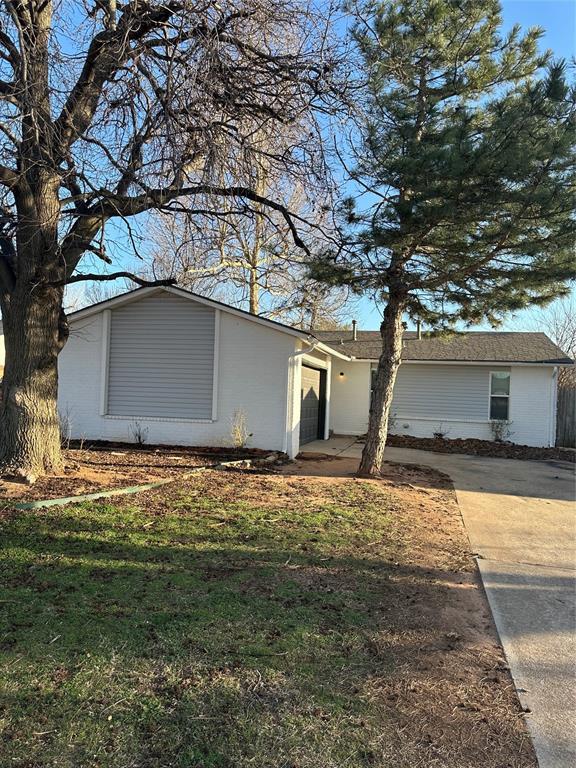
{"type": "Point", "coordinates": [391, 331]}
{"type": "Point", "coordinates": [35, 331]}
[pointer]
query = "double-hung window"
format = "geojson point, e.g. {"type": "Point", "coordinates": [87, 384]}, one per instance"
{"type": "Point", "coordinates": [500, 395]}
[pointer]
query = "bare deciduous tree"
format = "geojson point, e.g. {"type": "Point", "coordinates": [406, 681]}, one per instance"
{"type": "Point", "coordinates": [110, 110]}
{"type": "Point", "coordinates": [558, 321]}
{"type": "Point", "coordinates": [251, 260]}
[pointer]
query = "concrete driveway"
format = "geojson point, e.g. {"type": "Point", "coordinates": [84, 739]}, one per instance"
{"type": "Point", "coordinates": [521, 521]}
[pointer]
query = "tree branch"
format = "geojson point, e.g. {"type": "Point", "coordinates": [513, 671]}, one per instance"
{"type": "Point", "coordinates": [115, 276]}
{"type": "Point", "coordinates": [8, 177]}
{"type": "Point", "coordinates": [106, 54]}
{"type": "Point", "coordinates": [86, 227]}
{"type": "Point", "coordinates": [8, 92]}
{"type": "Point", "coordinates": [13, 55]}
{"type": "Point", "coordinates": [159, 198]}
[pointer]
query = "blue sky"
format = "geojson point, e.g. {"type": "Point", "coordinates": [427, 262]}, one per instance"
{"type": "Point", "coordinates": [558, 19]}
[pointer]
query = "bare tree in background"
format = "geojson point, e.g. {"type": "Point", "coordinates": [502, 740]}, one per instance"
{"type": "Point", "coordinates": [558, 321]}
{"type": "Point", "coordinates": [249, 259]}
{"type": "Point", "coordinates": [312, 306]}
{"type": "Point", "coordinates": [110, 110]}
{"type": "Point", "coordinates": [249, 263]}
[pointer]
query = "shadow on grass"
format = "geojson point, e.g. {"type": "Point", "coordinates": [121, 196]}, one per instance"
{"type": "Point", "coordinates": [234, 636]}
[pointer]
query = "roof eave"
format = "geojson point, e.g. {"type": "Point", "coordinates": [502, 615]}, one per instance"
{"type": "Point", "coordinates": [436, 361]}
{"type": "Point", "coordinates": [331, 351]}
{"type": "Point", "coordinates": [139, 293]}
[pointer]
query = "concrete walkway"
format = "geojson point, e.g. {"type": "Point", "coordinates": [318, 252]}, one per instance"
{"type": "Point", "coordinates": [521, 521]}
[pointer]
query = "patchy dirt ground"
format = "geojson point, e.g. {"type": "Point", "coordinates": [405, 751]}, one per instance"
{"type": "Point", "coordinates": [300, 618]}
{"type": "Point", "coordinates": [482, 448]}
{"type": "Point", "coordinates": [91, 469]}
{"type": "Point", "coordinates": [453, 668]}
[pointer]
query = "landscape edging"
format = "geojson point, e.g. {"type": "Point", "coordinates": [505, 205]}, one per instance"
{"type": "Point", "coordinates": [64, 500]}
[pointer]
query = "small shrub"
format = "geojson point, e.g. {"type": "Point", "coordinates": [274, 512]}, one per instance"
{"type": "Point", "coordinates": [239, 429]}
{"type": "Point", "coordinates": [139, 433]}
{"type": "Point", "coordinates": [500, 429]}
{"type": "Point", "coordinates": [65, 428]}
{"type": "Point", "coordinates": [441, 433]}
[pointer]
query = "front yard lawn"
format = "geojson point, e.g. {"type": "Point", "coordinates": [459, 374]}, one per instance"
{"type": "Point", "coordinates": [241, 619]}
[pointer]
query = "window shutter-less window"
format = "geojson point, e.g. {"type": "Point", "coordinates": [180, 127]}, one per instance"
{"type": "Point", "coordinates": [499, 395]}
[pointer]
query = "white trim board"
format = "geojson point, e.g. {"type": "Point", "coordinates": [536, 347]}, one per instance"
{"type": "Point", "coordinates": [215, 369]}
{"type": "Point", "coordinates": [178, 419]}
{"type": "Point", "coordinates": [439, 419]}
{"type": "Point", "coordinates": [104, 361]}
{"type": "Point", "coordinates": [314, 362]}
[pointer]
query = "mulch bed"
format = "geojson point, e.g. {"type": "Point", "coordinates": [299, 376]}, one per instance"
{"type": "Point", "coordinates": [93, 467]}
{"type": "Point", "coordinates": [482, 448]}
{"type": "Point", "coordinates": [218, 452]}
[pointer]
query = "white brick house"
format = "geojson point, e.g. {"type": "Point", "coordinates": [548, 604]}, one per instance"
{"type": "Point", "coordinates": [182, 366]}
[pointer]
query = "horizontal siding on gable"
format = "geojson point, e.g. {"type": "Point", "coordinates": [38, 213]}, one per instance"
{"type": "Point", "coordinates": [442, 391]}
{"type": "Point", "coordinates": [161, 359]}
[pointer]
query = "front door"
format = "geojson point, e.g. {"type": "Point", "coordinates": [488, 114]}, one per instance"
{"type": "Point", "coordinates": [312, 404]}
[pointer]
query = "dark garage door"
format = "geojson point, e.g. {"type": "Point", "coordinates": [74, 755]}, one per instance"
{"type": "Point", "coordinates": [311, 405]}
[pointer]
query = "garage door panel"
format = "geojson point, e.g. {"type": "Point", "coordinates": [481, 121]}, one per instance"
{"type": "Point", "coordinates": [310, 407]}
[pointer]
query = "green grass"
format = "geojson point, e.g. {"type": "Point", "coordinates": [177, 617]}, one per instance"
{"type": "Point", "coordinates": [227, 621]}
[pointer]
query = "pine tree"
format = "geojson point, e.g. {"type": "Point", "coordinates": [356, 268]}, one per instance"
{"type": "Point", "coordinates": [466, 159]}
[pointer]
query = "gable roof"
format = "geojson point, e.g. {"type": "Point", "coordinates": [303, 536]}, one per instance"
{"type": "Point", "coordinates": [473, 346]}
{"type": "Point", "coordinates": [140, 293]}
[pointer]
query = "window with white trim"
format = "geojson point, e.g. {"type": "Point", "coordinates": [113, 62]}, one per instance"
{"type": "Point", "coordinates": [500, 395]}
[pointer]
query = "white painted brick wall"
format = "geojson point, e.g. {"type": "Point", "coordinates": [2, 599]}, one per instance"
{"type": "Point", "coordinates": [531, 392]}
{"type": "Point", "coordinates": [253, 370]}
{"type": "Point", "coordinates": [350, 398]}
{"type": "Point", "coordinates": [531, 405]}
{"type": "Point", "coordinates": [451, 428]}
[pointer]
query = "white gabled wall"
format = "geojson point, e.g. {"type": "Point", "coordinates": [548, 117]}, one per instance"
{"type": "Point", "coordinates": [449, 398]}
{"type": "Point", "coordinates": [252, 375]}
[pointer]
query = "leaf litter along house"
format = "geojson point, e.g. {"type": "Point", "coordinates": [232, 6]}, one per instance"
{"type": "Point", "coordinates": [179, 368]}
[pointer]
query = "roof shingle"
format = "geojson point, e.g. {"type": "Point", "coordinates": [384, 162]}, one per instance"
{"type": "Point", "coordinates": [473, 346]}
